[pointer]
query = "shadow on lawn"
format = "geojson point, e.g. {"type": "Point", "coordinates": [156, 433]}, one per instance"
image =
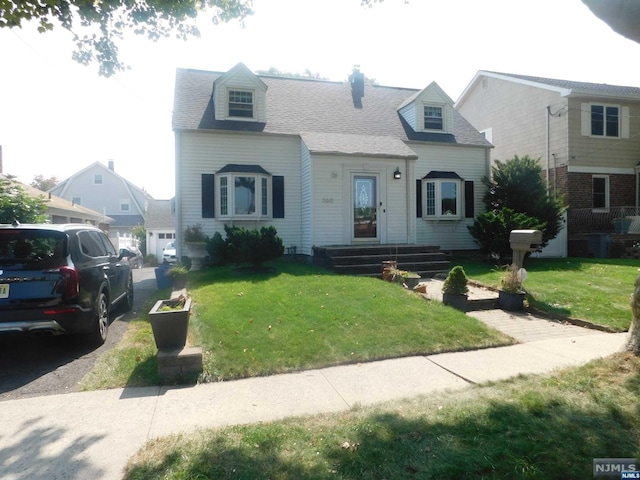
{"type": "Point", "coordinates": [538, 436]}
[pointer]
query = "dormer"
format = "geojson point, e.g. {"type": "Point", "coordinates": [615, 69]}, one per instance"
{"type": "Point", "coordinates": [239, 95]}
{"type": "Point", "coordinates": [430, 110]}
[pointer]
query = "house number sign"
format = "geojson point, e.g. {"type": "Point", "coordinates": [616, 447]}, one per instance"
{"type": "Point", "coordinates": [327, 200]}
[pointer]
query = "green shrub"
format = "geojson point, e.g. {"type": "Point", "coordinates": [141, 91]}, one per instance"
{"type": "Point", "coordinates": [456, 281]}
{"type": "Point", "coordinates": [244, 245]}
{"type": "Point", "coordinates": [216, 247]}
{"type": "Point", "coordinates": [491, 230]}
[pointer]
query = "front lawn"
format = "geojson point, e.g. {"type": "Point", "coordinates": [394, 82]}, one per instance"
{"type": "Point", "coordinates": [592, 289]}
{"type": "Point", "coordinates": [527, 428]}
{"type": "Point", "coordinates": [297, 317]}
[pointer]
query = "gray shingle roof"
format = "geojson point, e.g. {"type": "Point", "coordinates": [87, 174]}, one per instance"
{"type": "Point", "coordinates": [297, 105]}
{"type": "Point", "coordinates": [579, 87]}
{"type": "Point", "coordinates": [356, 144]}
{"type": "Point", "coordinates": [159, 215]}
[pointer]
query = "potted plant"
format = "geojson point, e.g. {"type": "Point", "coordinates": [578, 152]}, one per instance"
{"type": "Point", "coordinates": [455, 289]}
{"type": "Point", "coordinates": [196, 242]}
{"type": "Point", "coordinates": [170, 322]}
{"type": "Point", "coordinates": [510, 295]}
{"type": "Point", "coordinates": [178, 274]}
{"type": "Point", "coordinates": [403, 277]}
{"type": "Point", "coordinates": [410, 279]}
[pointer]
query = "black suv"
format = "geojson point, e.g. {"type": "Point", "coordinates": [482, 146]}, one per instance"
{"type": "Point", "coordinates": [61, 279]}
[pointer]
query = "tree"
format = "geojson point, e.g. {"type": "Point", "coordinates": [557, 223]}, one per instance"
{"type": "Point", "coordinates": [140, 233]}
{"type": "Point", "coordinates": [278, 73]}
{"type": "Point", "coordinates": [109, 19]}
{"type": "Point", "coordinates": [42, 183]}
{"type": "Point", "coordinates": [516, 187]}
{"type": "Point", "coordinates": [621, 15]}
{"type": "Point", "coordinates": [17, 205]}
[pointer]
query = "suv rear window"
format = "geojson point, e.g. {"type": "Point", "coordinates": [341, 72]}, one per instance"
{"type": "Point", "coordinates": [32, 249]}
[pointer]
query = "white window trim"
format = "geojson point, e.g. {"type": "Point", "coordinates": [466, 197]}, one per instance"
{"type": "Point", "coordinates": [253, 116]}
{"type": "Point", "coordinates": [443, 109]}
{"type": "Point", "coordinates": [231, 176]}
{"type": "Point", "coordinates": [438, 194]}
{"type": "Point", "coordinates": [607, 194]}
{"type": "Point", "coordinates": [95, 178]}
{"type": "Point", "coordinates": [623, 120]}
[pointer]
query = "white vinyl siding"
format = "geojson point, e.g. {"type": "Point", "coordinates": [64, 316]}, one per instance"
{"type": "Point", "coordinates": [471, 164]}
{"type": "Point", "coordinates": [208, 152]}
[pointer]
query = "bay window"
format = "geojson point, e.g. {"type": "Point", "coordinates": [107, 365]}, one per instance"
{"type": "Point", "coordinates": [243, 191]}
{"type": "Point", "coordinates": [442, 196]}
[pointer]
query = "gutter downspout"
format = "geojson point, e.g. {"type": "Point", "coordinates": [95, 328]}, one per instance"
{"type": "Point", "coordinates": [547, 142]}
{"type": "Point", "coordinates": [178, 206]}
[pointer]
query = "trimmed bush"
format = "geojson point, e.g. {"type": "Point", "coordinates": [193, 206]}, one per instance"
{"type": "Point", "coordinates": [246, 246]}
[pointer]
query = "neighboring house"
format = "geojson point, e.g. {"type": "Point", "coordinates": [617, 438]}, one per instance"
{"type": "Point", "coordinates": [60, 210]}
{"type": "Point", "coordinates": [325, 163]}
{"type": "Point", "coordinates": [586, 135]}
{"type": "Point", "coordinates": [160, 224]}
{"type": "Point", "coordinates": [100, 188]}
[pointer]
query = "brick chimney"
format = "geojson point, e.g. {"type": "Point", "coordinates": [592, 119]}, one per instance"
{"type": "Point", "coordinates": [357, 86]}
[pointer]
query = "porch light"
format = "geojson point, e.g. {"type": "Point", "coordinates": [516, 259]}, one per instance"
{"type": "Point", "coordinates": [397, 175]}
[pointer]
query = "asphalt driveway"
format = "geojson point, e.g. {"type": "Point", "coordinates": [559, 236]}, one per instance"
{"type": "Point", "coordinates": [35, 366]}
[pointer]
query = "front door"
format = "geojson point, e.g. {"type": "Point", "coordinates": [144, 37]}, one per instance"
{"type": "Point", "coordinates": [365, 207]}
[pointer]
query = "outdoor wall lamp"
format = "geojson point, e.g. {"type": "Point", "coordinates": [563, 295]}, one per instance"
{"type": "Point", "coordinates": [397, 175]}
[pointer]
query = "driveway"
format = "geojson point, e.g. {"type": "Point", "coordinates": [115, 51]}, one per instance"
{"type": "Point", "coordinates": [34, 366]}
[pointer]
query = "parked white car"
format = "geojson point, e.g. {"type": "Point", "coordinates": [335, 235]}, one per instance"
{"type": "Point", "coordinates": [169, 253]}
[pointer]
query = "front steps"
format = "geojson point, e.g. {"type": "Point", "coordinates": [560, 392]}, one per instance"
{"type": "Point", "coordinates": [426, 260]}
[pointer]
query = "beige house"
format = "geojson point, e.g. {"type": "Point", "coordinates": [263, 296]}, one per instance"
{"type": "Point", "coordinates": [586, 135]}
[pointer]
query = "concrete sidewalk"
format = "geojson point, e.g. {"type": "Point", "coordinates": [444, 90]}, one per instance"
{"type": "Point", "coordinates": [93, 434]}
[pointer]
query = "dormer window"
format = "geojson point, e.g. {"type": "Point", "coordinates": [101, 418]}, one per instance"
{"type": "Point", "coordinates": [433, 117]}
{"type": "Point", "coordinates": [241, 103]}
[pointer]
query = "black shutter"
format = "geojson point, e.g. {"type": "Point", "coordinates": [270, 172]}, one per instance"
{"type": "Point", "coordinates": [278, 196]}
{"type": "Point", "coordinates": [208, 195]}
{"type": "Point", "coordinates": [419, 198]}
{"type": "Point", "coordinates": [468, 200]}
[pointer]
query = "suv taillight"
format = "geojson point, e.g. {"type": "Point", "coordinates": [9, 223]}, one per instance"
{"type": "Point", "coordinates": [71, 282]}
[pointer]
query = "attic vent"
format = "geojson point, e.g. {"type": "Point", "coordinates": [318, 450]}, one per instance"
{"type": "Point", "coordinates": [357, 86]}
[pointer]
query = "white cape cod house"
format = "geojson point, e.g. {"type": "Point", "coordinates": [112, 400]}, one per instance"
{"type": "Point", "coordinates": [325, 163]}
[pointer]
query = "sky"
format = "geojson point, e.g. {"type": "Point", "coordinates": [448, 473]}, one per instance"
{"type": "Point", "coordinates": [58, 117]}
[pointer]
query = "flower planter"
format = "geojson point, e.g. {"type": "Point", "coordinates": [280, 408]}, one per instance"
{"type": "Point", "coordinates": [511, 302]}
{"type": "Point", "coordinates": [411, 282]}
{"type": "Point", "coordinates": [455, 300]}
{"type": "Point", "coordinates": [170, 326]}
{"type": "Point", "coordinates": [197, 253]}
{"type": "Point", "coordinates": [179, 281]}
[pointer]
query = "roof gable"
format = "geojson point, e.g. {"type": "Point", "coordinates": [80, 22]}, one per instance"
{"type": "Point", "coordinates": [295, 105]}
{"type": "Point", "coordinates": [564, 88]}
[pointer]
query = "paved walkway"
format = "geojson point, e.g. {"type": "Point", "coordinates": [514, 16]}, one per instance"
{"type": "Point", "coordinates": [91, 435]}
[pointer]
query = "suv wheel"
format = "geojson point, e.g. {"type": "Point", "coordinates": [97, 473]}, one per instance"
{"type": "Point", "coordinates": [100, 322]}
{"type": "Point", "coordinates": [128, 301]}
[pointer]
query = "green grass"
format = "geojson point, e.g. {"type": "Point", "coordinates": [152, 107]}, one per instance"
{"type": "Point", "coordinates": [592, 289]}
{"type": "Point", "coordinates": [526, 428]}
{"type": "Point", "coordinates": [301, 317]}
{"type": "Point", "coordinates": [296, 317]}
